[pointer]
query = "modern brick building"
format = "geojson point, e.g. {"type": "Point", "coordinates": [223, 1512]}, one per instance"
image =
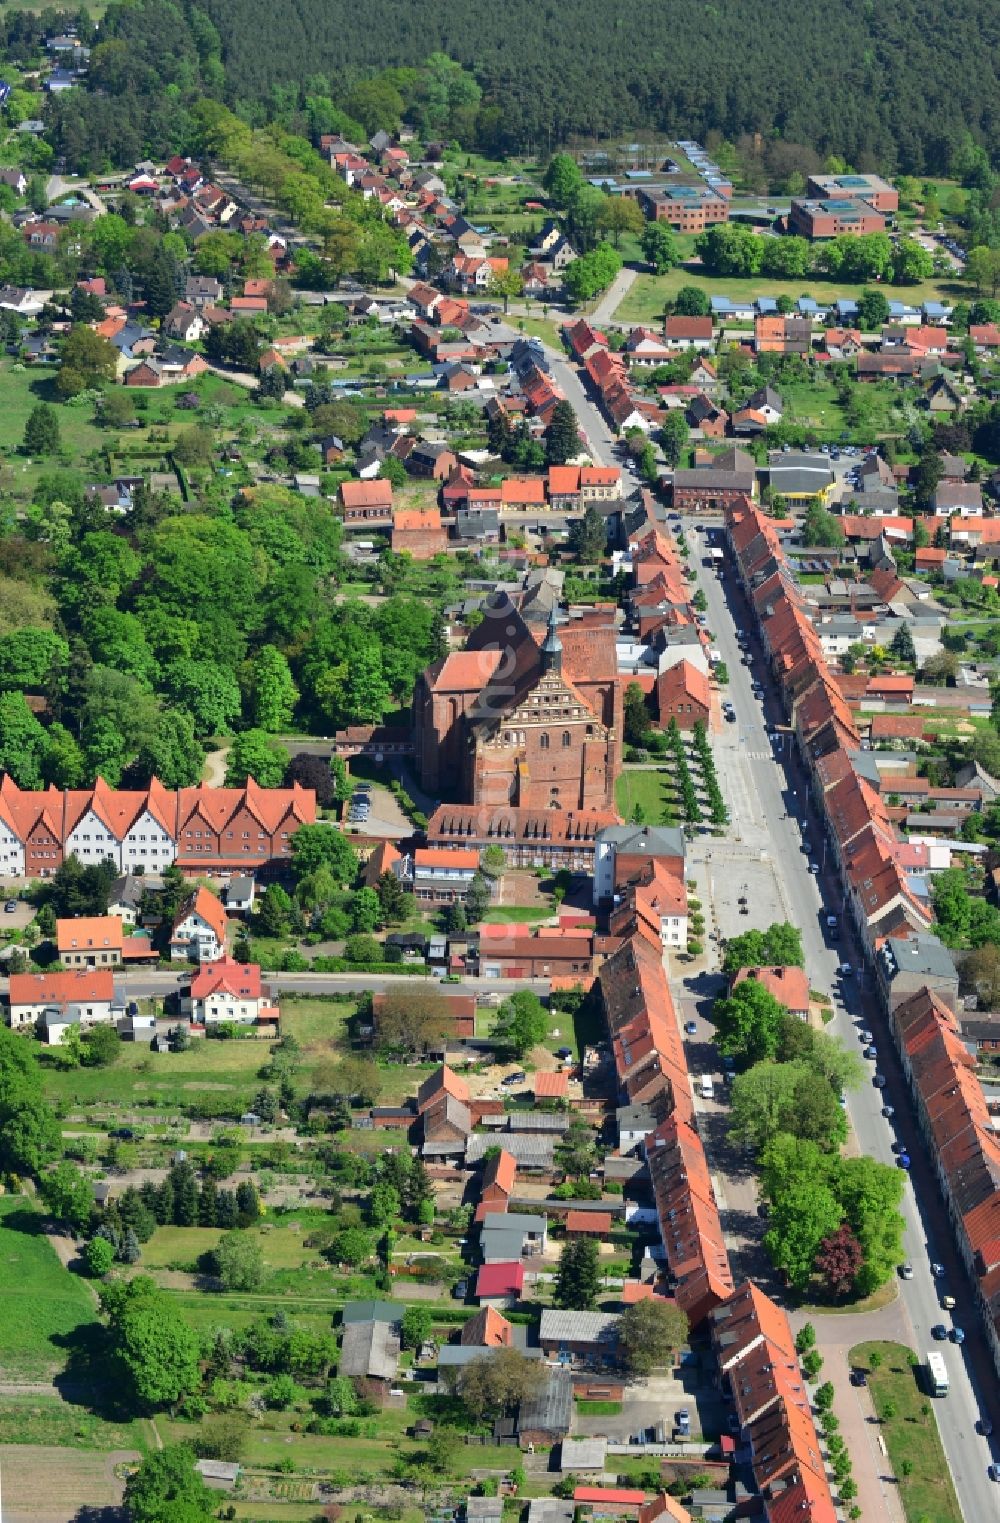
{"type": "Point", "coordinates": [828, 219]}
{"type": "Point", "coordinates": [871, 188]}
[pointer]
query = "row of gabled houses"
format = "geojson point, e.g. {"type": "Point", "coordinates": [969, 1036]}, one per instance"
{"type": "Point", "coordinates": [915, 975]}
{"type": "Point", "coordinates": [863, 842]}
{"type": "Point", "coordinates": [199, 829]}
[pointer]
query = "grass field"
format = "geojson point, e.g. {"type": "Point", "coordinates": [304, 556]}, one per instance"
{"type": "Point", "coordinates": [644, 302]}
{"type": "Point", "coordinates": [43, 1304]}
{"type": "Point", "coordinates": [182, 1081]}
{"type": "Point", "coordinates": [911, 1434]}
{"type": "Point", "coordinates": [48, 1420]}
{"type": "Point", "coordinates": [650, 791]}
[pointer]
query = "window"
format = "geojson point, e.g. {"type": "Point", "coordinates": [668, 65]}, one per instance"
{"type": "Point", "coordinates": [567, 739]}
{"type": "Point", "coordinates": [544, 741]}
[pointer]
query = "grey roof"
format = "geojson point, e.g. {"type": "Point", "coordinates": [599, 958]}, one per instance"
{"type": "Point", "coordinates": [583, 1453]}
{"type": "Point", "coordinates": [457, 1355]}
{"type": "Point", "coordinates": [634, 1118]}
{"type": "Point", "coordinates": [577, 1327]}
{"type": "Point", "coordinates": [550, 1509]}
{"type": "Point", "coordinates": [127, 890]}
{"type": "Point", "coordinates": [538, 1121]}
{"type": "Point", "coordinates": [240, 887]}
{"type": "Point", "coordinates": [709, 476]}
{"type": "Point", "coordinates": [550, 1411]}
{"type": "Point", "coordinates": [372, 1311]}
{"type": "Point", "coordinates": [484, 1509]}
{"type": "Point", "coordinates": [663, 840]}
{"type": "Point", "coordinates": [531, 1150]}
{"type": "Point", "coordinates": [624, 1169]}
{"type": "Point", "coordinates": [447, 1148]}
{"type": "Point", "coordinates": [524, 1221]}
{"type": "Point", "coordinates": [369, 1349]}
{"type": "Point", "coordinates": [501, 1245]}
{"type": "Point", "coordinates": [923, 955]}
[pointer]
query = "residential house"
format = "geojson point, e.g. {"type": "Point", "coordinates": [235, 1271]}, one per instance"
{"type": "Point", "coordinates": [686, 333]}
{"type": "Point", "coordinates": [228, 992]}
{"type": "Point", "coordinates": [366, 504]}
{"type": "Point", "coordinates": [789, 986]}
{"type": "Point", "coordinates": [199, 929]}
{"type": "Point", "coordinates": [183, 322]}
{"type": "Point", "coordinates": [499, 1286]}
{"type": "Point", "coordinates": [683, 693]}
{"type": "Point", "coordinates": [588, 1339]}
{"type": "Point", "coordinates": [56, 1001]}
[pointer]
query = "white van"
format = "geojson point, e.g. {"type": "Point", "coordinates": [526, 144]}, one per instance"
{"type": "Point", "coordinates": [707, 1091]}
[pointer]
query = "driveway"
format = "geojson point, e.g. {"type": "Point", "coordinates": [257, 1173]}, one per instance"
{"type": "Point", "coordinates": [878, 1494]}
{"type": "Point", "coordinates": [613, 297]}
{"type": "Point", "coordinates": [656, 1400]}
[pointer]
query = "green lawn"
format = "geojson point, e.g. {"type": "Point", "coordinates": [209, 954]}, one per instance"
{"type": "Point", "coordinates": [911, 1434]}
{"type": "Point", "coordinates": [211, 1077]}
{"type": "Point", "coordinates": [59, 1424]}
{"type": "Point", "coordinates": [44, 1305]}
{"type": "Point", "coordinates": [650, 791]}
{"type": "Point", "coordinates": [644, 302]}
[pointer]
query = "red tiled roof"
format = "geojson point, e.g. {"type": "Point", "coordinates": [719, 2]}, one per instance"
{"type": "Point", "coordinates": [76, 986]}
{"type": "Point", "coordinates": [500, 1280]}
{"type": "Point", "coordinates": [551, 1085]}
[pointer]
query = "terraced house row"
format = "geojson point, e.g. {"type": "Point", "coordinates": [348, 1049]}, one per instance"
{"type": "Point", "coordinates": [199, 829]}
{"type": "Point", "coordinates": [915, 974]}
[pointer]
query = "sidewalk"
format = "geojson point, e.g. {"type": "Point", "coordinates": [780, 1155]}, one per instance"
{"type": "Point", "coordinates": [878, 1493]}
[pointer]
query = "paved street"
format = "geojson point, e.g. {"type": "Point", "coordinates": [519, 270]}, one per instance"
{"type": "Point", "coordinates": [613, 297]}
{"type": "Point", "coordinates": [765, 789]}
{"type": "Point", "coordinates": [599, 436]}
{"type": "Point", "coordinates": [160, 981]}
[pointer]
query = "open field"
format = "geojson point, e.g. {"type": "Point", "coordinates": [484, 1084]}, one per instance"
{"type": "Point", "coordinates": [911, 1434]}
{"type": "Point", "coordinates": [211, 1076]}
{"type": "Point", "coordinates": [48, 1420]}
{"type": "Point", "coordinates": [649, 791]}
{"type": "Point", "coordinates": [43, 1305]}
{"type": "Point", "coordinates": [644, 302]}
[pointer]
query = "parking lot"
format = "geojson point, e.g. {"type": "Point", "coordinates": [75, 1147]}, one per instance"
{"type": "Point", "coordinates": [655, 1400]}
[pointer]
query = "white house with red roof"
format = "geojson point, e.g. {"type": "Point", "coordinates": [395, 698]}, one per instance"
{"type": "Point", "coordinates": [56, 1001]}
{"type": "Point", "coordinates": [228, 991]}
{"type": "Point", "coordinates": [199, 930]}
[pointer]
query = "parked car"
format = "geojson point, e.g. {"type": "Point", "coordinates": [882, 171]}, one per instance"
{"type": "Point", "coordinates": [858, 1377]}
{"type": "Point", "coordinates": [460, 1290]}
{"type": "Point", "coordinates": [903, 1160]}
{"type": "Point", "coordinates": [957, 1335]}
{"type": "Point", "coordinates": [940, 1332]}
{"type": "Point", "coordinates": [690, 1028]}
{"type": "Point", "coordinates": [993, 1471]}
{"type": "Point", "coordinates": [906, 1271]}
{"type": "Point", "coordinates": [985, 1426]}
{"type": "Point", "coordinates": [10, 907]}
{"type": "Point", "coordinates": [878, 1080]}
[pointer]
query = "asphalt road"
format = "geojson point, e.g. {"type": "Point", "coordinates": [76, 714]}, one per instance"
{"type": "Point", "coordinates": [147, 982]}
{"type": "Point", "coordinates": [600, 437]}
{"type": "Point", "coordinates": [778, 792]}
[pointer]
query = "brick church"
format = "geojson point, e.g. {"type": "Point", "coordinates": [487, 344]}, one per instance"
{"type": "Point", "coordinates": [527, 715]}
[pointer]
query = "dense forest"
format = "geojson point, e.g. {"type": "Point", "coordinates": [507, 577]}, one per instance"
{"type": "Point", "coordinates": [893, 85]}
